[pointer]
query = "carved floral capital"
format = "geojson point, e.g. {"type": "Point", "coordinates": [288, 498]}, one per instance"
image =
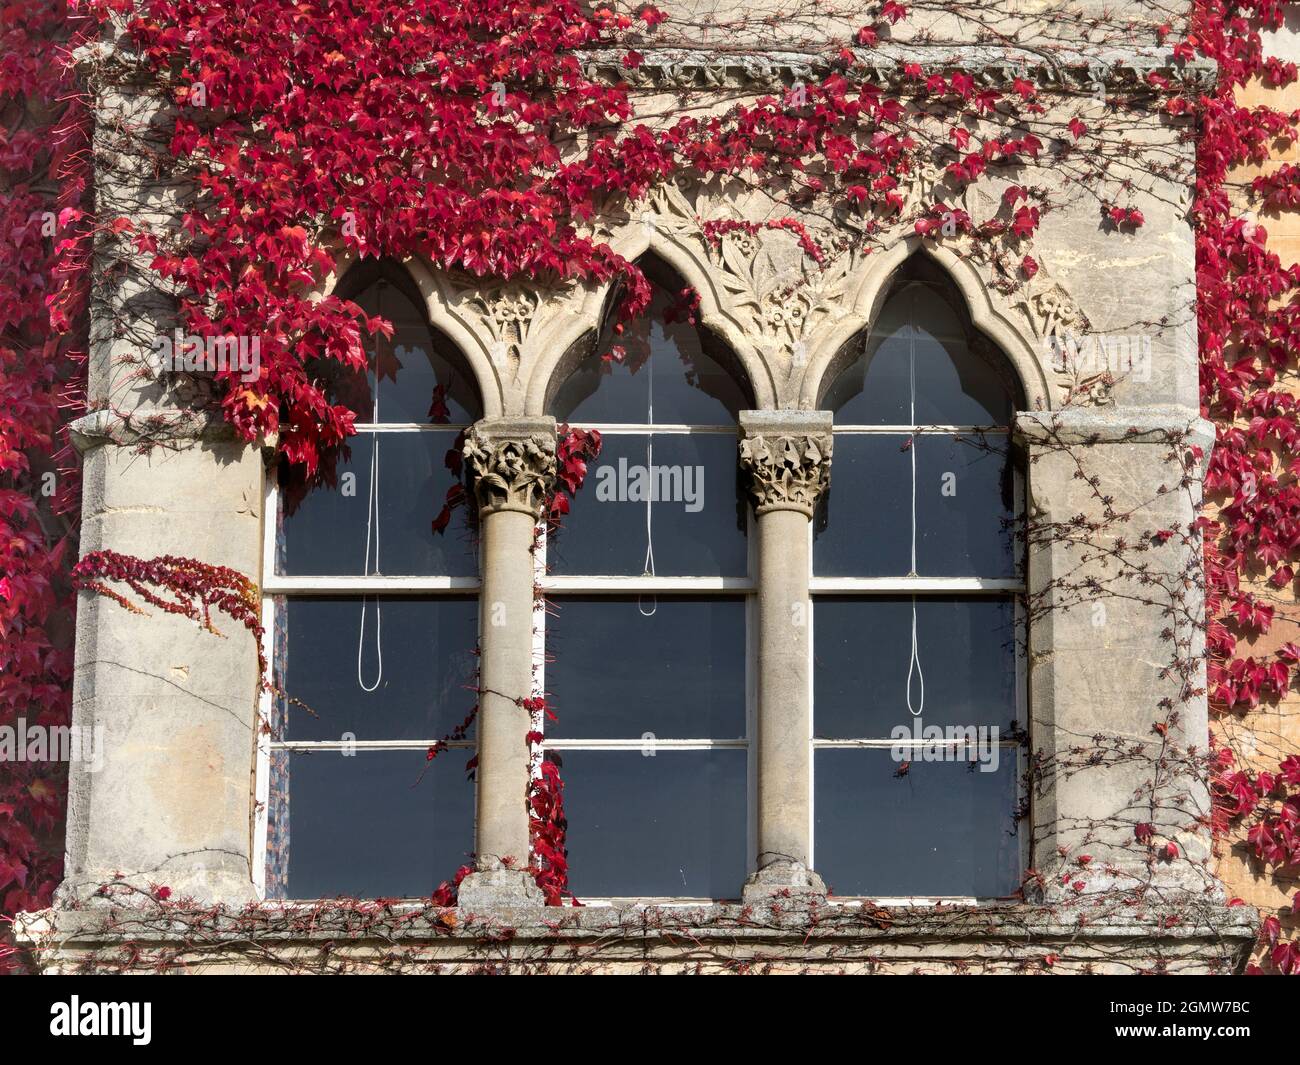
{"type": "Point", "coordinates": [511, 471]}
{"type": "Point", "coordinates": [786, 472]}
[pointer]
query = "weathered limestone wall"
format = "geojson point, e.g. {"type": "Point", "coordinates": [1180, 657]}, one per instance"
{"type": "Point", "coordinates": [172, 803]}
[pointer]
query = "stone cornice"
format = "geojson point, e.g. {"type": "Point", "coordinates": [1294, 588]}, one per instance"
{"type": "Point", "coordinates": [104, 62]}
{"type": "Point", "coordinates": [991, 67]}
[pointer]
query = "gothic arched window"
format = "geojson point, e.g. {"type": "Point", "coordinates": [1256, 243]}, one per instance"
{"type": "Point", "coordinates": [647, 584]}
{"type": "Point", "coordinates": [372, 623]}
{"type": "Point", "coordinates": [918, 691]}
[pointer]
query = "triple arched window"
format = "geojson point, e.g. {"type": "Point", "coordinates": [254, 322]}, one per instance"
{"type": "Point", "coordinates": [648, 644]}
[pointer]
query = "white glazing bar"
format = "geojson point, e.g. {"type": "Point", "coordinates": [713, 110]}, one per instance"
{"type": "Point", "coordinates": [282, 585]}
{"type": "Point", "coordinates": [907, 430]}
{"type": "Point", "coordinates": [367, 745]}
{"type": "Point", "coordinates": [642, 428]}
{"type": "Point", "coordinates": [638, 744]}
{"type": "Point", "coordinates": [913, 585]}
{"type": "Point", "coordinates": [622, 585]}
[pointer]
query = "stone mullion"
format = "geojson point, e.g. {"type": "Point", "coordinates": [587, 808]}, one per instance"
{"type": "Point", "coordinates": [786, 457]}
{"type": "Point", "coordinates": [512, 465]}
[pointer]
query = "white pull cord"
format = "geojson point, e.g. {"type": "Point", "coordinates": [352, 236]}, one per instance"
{"type": "Point", "coordinates": [372, 526]}
{"type": "Point", "coordinates": [649, 498]}
{"type": "Point", "coordinates": [914, 665]}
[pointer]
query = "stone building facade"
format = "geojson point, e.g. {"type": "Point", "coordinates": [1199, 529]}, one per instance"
{"type": "Point", "coordinates": [186, 797]}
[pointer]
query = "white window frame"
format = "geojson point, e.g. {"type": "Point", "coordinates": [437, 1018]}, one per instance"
{"type": "Point", "coordinates": [826, 587]}
{"type": "Point", "coordinates": [276, 585]}
{"type": "Point", "coordinates": [558, 587]}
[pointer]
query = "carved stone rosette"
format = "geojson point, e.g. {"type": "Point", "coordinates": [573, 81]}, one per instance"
{"type": "Point", "coordinates": [511, 470]}
{"type": "Point", "coordinates": [786, 472]}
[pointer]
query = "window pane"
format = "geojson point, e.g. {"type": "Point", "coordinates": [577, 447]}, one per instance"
{"type": "Point", "coordinates": [378, 824]}
{"type": "Point", "coordinates": [864, 524]}
{"type": "Point", "coordinates": [697, 515]}
{"type": "Point", "coordinates": [429, 667]}
{"type": "Point", "coordinates": [421, 379]}
{"type": "Point", "coordinates": [966, 650]}
{"type": "Point", "coordinates": [665, 377]}
{"type": "Point", "coordinates": [965, 502]}
{"type": "Point", "coordinates": [614, 673]}
{"type": "Point", "coordinates": [669, 825]}
{"type": "Point", "coordinates": [943, 828]}
{"type": "Point", "coordinates": [921, 337]}
{"type": "Point", "coordinates": [326, 533]}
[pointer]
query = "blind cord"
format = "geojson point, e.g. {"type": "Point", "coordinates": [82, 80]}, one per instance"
{"type": "Point", "coordinates": [914, 665]}
{"type": "Point", "coordinates": [372, 527]}
{"type": "Point", "coordinates": [649, 498]}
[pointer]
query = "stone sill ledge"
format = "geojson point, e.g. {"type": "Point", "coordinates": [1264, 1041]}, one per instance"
{"type": "Point", "coordinates": [779, 919]}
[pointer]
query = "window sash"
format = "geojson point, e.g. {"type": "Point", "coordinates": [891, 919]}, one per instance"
{"type": "Point", "coordinates": [830, 586]}
{"type": "Point", "coordinates": [745, 588]}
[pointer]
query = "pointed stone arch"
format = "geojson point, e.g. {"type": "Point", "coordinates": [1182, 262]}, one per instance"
{"type": "Point", "coordinates": [443, 318]}
{"type": "Point", "coordinates": [836, 347]}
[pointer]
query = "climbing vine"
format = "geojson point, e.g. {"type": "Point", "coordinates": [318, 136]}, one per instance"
{"type": "Point", "coordinates": [470, 133]}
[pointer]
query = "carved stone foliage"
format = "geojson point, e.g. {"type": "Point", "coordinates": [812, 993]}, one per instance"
{"type": "Point", "coordinates": [511, 472]}
{"type": "Point", "coordinates": [773, 292]}
{"type": "Point", "coordinates": [786, 472]}
{"type": "Point", "coordinates": [1061, 327]}
{"type": "Point", "coordinates": [508, 312]}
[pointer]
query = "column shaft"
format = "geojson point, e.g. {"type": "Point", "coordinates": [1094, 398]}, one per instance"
{"type": "Point", "coordinates": [506, 678]}
{"type": "Point", "coordinates": [784, 706]}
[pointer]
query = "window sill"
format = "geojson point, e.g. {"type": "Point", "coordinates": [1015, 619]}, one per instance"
{"type": "Point", "coordinates": [786, 935]}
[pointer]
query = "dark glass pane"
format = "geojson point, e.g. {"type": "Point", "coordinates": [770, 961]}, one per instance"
{"type": "Point", "coordinates": [943, 828]}
{"type": "Point", "coordinates": [669, 825]}
{"type": "Point", "coordinates": [326, 533]}
{"type": "Point", "coordinates": [420, 378]}
{"type": "Point", "coordinates": [697, 515]}
{"type": "Point", "coordinates": [429, 667]}
{"type": "Point", "coordinates": [614, 673]}
{"type": "Point", "coordinates": [378, 824]}
{"type": "Point", "coordinates": [864, 524]}
{"type": "Point", "coordinates": [966, 650]}
{"type": "Point", "coordinates": [920, 339]}
{"type": "Point", "coordinates": [965, 501]}
{"type": "Point", "coordinates": [665, 377]}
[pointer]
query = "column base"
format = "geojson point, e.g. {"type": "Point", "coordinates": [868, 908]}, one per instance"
{"type": "Point", "coordinates": [782, 878]}
{"type": "Point", "coordinates": [494, 887]}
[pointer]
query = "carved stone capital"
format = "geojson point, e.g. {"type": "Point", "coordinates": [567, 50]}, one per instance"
{"type": "Point", "coordinates": [786, 457]}
{"type": "Point", "coordinates": [511, 462]}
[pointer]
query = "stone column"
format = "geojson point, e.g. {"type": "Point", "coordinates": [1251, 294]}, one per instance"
{"type": "Point", "coordinates": [1119, 716]}
{"type": "Point", "coordinates": [512, 465]}
{"type": "Point", "coordinates": [786, 457]}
